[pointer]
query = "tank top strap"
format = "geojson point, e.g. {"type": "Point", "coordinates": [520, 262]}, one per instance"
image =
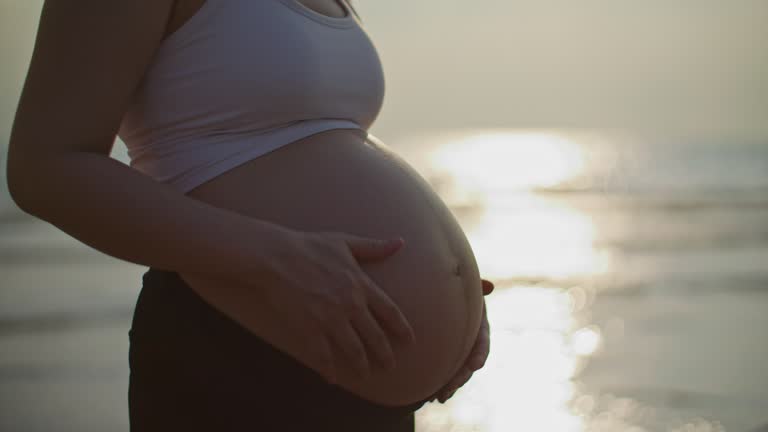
{"type": "Point", "coordinates": [196, 22]}
{"type": "Point", "coordinates": [352, 8]}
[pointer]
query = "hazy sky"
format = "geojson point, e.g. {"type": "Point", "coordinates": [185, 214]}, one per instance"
{"type": "Point", "coordinates": [685, 66]}
{"type": "Point", "coordinates": [695, 67]}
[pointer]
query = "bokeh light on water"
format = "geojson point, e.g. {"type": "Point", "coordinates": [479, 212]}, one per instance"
{"type": "Point", "coordinates": [544, 257]}
{"type": "Point", "coordinates": [630, 291]}
{"type": "Point", "coordinates": [492, 160]}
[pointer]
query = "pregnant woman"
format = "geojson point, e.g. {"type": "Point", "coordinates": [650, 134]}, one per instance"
{"type": "Point", "coordinates": [257, 199]}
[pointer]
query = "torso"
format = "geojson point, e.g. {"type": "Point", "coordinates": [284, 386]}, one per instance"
{"type": "Point", "coordinates": [339, 181]}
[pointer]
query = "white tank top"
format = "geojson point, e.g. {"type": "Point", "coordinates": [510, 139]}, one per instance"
{"type": "Point", "coordinates": [242, 78]}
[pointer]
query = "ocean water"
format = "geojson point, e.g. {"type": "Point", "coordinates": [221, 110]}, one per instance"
{"type": "Point", "coordinates": [631, 292]}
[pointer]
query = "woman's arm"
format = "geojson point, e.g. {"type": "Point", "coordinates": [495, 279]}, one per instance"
{"type": "Point", "coordinates": [89, 56]}
{"type": "Point", "coordinates": [122, 213]}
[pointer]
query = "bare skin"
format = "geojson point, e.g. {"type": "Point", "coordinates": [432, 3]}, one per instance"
{"type": "Point", "coordinates": [338, 181]}
{"type": "Point", "coordinates": [51, 172]}
{"type": "Point", "coordinates": [235, 190]}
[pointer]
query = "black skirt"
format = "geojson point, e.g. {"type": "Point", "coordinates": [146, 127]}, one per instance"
{"type": "Point", "coordinates": [192, 368]}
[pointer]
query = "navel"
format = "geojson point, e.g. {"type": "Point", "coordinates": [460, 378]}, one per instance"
{"type": "Point", "coordinates": [457, 269]}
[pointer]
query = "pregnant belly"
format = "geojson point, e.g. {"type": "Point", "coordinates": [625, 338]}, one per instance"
{"type": "Point", "coordinates": [343, 180]}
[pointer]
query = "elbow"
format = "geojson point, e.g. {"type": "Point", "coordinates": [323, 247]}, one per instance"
{"type": "Point", "coordinates": [16, 185]}
{"type": "Point", "coordinates": [21, 178]}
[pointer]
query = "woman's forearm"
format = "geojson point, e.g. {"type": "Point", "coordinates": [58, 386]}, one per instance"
{"type": "Point", "coordinates": [123, 213]}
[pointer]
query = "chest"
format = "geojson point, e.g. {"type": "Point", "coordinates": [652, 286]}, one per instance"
{"type": "Point", "coordinates": [183, 10]}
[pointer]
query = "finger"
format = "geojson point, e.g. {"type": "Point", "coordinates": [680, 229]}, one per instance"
{"type": "Point", "coordinates": [369, 249]}
{"type": "Point", "coordinates": [454, 383]}
{"type": "Point", "coordinates": [348, 340]}
{"type": "Point", "coordinates": [458, 380]}
{"type": "Point", "coordinates": [487, 286]}
{"type": "Point", "coordinates": [387, 312]}
{"type": "Point", "coordinates": [374, 338]}
{"type": "Point", "coordinates": [461, 379]}
{"type": "Point", "coordinates": [482, 347]}
{"type": "Point", "coordinates": [321, 348]}
{"type": "Point", "coordinates": [479, 356]}
{"type": "Point", "coordinates": [450, 395]}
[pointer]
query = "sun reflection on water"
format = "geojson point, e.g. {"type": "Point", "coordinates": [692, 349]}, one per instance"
{"type": "Point", "coordinates": [535, 238]}
{"type": "Point", "coordinates": [496, 160]}
{"type": "Point", "coordinates": [540, 339]}
{"type": "Point", "coordinates": [520, 234]}
{"type": "Point", "coordinates": [543, 256]}
{"type": "Point", "coordinates": [527, 382]}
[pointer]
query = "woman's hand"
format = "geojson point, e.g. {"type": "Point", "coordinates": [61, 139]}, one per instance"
{"type": "Point", "coordinates": [475, 359]}
{"type": "Point", "coordinates": [318, 305]}
{"type": "Point", "coordinates": [332, 315]}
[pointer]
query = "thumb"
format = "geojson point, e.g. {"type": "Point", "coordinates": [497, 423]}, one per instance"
{"type": "Point", "coordinates": [371, 249]}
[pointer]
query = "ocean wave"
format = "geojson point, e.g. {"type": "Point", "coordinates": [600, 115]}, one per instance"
{"type": "Point", "coordinates": [65, 321]}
